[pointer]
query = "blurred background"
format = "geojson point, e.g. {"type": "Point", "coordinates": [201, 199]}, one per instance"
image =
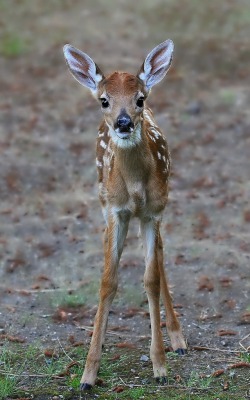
{"type": "Point", "coordinates": [51, 223]}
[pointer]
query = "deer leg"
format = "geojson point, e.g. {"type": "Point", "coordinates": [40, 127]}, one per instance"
{"type": "Point", "coordinates": [114, 238]}
{"type": "Point", "coordinates": [149, 231]}
{"type": "Point", "coordinates": [173, 325]}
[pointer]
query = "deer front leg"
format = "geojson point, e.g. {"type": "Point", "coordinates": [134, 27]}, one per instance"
{"type": "Point", "coordinates": [149, 230]}
{"type": "Point", "coordinates": [114, 238]}
{"type": "Point", "coordinates": [173, 326]}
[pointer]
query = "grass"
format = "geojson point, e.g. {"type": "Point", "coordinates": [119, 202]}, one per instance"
{"type": "Point", "coordinates": [12, 45]}
{"type": "Point", "coordinates": [30, 371]}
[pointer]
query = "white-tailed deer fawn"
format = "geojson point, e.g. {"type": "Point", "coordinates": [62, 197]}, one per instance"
{"type": "Point", "coordinates": [133, 164]}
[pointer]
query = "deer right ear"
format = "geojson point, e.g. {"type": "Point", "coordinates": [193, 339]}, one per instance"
{"type": "Point", "coordinates": [83, 68]}
{"type": "Point", "coordinates": [156, 64]}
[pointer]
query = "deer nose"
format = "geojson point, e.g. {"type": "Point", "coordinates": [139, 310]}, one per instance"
{"type": "Point", "coordinates": [124, 122]}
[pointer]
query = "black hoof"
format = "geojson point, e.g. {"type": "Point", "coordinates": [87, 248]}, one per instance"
{"type": "Point", "coordinates": [162, 380]}
{"type": "Point", "coordinates": [181, 352]}
{"type": "Point", "coordinates": [85, 386]}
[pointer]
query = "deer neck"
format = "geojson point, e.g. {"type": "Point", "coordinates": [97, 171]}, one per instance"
{"type": "Point", "coordinates": [133, 162]}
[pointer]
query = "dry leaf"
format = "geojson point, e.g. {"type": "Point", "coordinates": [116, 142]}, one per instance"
{"type": "Point", "coordinates": [225, 281]}
{"type": "Point", "coordinates": [247, 216]}
{"type": "Point", "coordinates": [125, 345]}
{"type": "Point", "coordinates": [118, 389]}
{"type": "Point", "coordinates": [14, 339]}
{"type": "Point", "coordinates": [241, 364]}
{"type": "Point", "coordinates": [205, 283]}
{"type": "Point", "coordinates": [225, 332]}
{"type": "Point", "coordinates": [218, 373]}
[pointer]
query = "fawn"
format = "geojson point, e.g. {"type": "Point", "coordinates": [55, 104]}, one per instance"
{"type": "Point", "coordinates": [133, 164]}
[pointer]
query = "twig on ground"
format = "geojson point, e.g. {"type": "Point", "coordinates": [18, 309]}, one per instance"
{"type": "Point", "coordinates": [60, 344]}
{"type": "Point", "coordinates": [242, 340]}
{"type": "Point", "coordinates": [31, 375]}
{"type": "Point", "coordinates": [109, 332]}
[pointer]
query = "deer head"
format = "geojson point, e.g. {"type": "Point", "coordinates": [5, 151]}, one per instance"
{"type": "Point", "coordinates": [121, 94]}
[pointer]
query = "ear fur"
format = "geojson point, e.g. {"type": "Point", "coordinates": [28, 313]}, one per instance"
{"type": "Point", "coordinates": [156, 64]}
{"type": "Point", "coordinates": [83, 68]}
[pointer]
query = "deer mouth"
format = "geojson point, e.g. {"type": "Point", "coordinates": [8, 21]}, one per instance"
{"type": "Point", "coordinates": [124, 133]}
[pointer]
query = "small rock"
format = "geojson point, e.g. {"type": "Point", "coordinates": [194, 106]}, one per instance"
{"type": "Point", "coordinates": [194, 108]}
{"type": "Point", "coordinates": [144, 358]}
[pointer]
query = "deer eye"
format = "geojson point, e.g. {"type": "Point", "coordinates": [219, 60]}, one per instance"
{"type": "Point", "coordinates": [105, 103]}
{"type": "Point", "coordinates": [140, 102]}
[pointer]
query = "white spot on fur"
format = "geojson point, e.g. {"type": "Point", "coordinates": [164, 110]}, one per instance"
{"type": "Point", "coordinates": [164, 158]}
{"type": "Point", "coordinates": [159, 155]}
{"type": "Point", "coordinates": [148, 117]}
{"type": "Point", "coordinates": [101, 134]}
{"type": "Point", "coordinates": [98, 163]}
{"type": "Point", "coordinates": [156, 133]}
{"type": "Point", "coordinates": [103, 144]}
{"type": "Point", "coordinates": [152, 138]}
{"type": "Point", "coordinates": [106, 161]}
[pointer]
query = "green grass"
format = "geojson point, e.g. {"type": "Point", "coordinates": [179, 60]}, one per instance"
{"type": "Point", "coordinates": [12, 45]}
{"type": "Point", "coordinates": [7, 387]}
{"type": "Point", "coordinates": [27, 371]}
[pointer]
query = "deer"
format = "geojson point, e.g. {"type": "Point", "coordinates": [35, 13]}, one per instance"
{"type": "Point", "coordinates": [133, 164]}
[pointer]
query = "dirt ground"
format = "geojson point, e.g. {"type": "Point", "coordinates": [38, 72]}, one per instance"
{"type": "Point", "coordinates": [51, 222]}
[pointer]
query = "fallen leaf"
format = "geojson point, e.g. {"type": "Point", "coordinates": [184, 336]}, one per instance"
{"type": "Point", "coordinates": [205, 283]}
{"type": "Point", "coordinates": [78, 344]}
{"type": "Point", "coordinates": [204, 182]}
{"type": "Point", "coordinates": [131, 312]}
{"type": "Point", "coordinates": [230, 303]}
{"type": "Point", "coordinates": [225, 281]}
{"type": "Point", "coordinates": [124, 345]}
{"type": "Point", "coordinates": [71, 339]}
{"type": "Point", "coordinates": [118, 389]}
{"type": "Point", "coordinates": [115, 357]}
{"type": "Point", "coordinates": [16, 262]}
{"type": "Point", "coordinates": [245, 318]}
{"type": "Point", "coordinates": [217, 373]}
{"type": "Point", "coordinates": [50, 353]}
{"type": "Point", "coordinates": [225, 332]}
{"type": "Point", "coordinates": [178, 378]}
{"type": "Point", "coordinates": [241, 364]}
{"type": "Point", "coordinates": [43, 278]}
{"type": "Point", "coordinates": [247, 216]}
{"type": "Point", "coordinates": [180, 259]}
{"type": "Point", "coordinates": [46, 250]}
{"type": "Point", "coordinates": [100, 382]}
{"type": "Point", "coordinates": [14, 339]}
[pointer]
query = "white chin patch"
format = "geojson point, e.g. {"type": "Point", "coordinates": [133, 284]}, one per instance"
{"type": "Point", "coordinates": [126, 139]}
{"type": "Point", "coordinates": [123, 135]}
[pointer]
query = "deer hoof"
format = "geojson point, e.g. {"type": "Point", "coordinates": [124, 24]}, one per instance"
{"type": "Point", "coordinates": [85, 386]}
{"type": "Point", "coordinates": [181, 352]}
{"type": "Point", "coordinates": [161, 380]}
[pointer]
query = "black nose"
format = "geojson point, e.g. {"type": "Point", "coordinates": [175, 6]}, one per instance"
{"type": "Point", "coordinates": [124, 122]}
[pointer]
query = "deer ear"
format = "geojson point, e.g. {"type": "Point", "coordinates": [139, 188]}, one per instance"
{"type": "Point", "coordinates": [156, 64]}
{"type": "Point", "coordinates": [83, 68]}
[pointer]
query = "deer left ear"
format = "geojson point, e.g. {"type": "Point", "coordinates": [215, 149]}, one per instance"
{"type": "Point", "coordinates": [83, 68]}
{"type": "Point", "coordinates": [156, 64]}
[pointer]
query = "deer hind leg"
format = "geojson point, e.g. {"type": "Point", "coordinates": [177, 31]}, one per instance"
{"type": "Point", "coordinates": [149, 230]}
{"type": "Point", "coordinates": [114, 238]}
{"type": "Point", "coordinates": [173, 325]}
